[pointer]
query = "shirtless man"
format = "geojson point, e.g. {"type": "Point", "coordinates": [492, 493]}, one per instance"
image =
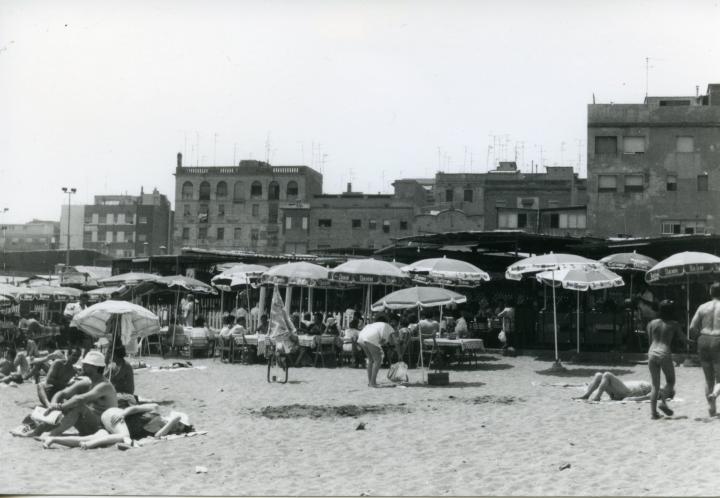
{"type": "Point", "coordinates": [631, 390]}
{"type": "Point", "coordinates": [661, 332]}
{"type": "Point", "coordinates": [13, 367]}
{"type": "Point", "coordinates": [83, 402]}
{"type": "Point", "coordinates": [705, 326]}
{"type": "Point", "coordinates": [59, 376]}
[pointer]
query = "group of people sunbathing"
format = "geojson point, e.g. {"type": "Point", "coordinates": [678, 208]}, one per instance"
{"type": "Point", "coordinates": [98, 401]}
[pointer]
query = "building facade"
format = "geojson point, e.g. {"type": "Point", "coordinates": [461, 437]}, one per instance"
{"type": "Point", "coordinates": [120, 225]}
{"type": "Point", "coordinates": [654, 168]}
{"type": "Point", "coordinates": [238, 207]}
{"type": "Point", "coordinates": [36, 235]}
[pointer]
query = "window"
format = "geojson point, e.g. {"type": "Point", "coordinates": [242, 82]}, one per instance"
{"type": "Point", "coordinates": [448, 195]}
{"type": "Point", "coordinates": [569, 220]}
{"type": "Point", "coordinates": [634, 183]}
{"type": "Point", "coordinates": [204, 191]}
{"type": "Point", "coordinates": [87, 236]}
{"type": "Point", "coordinates": [185, 233]}
{"type": "Point", "coordinates": [633, 145]}
{"type": "Point", "coordinates": [202, 233]}
{"type": "Point", "coordinates": [221, 190]}
{"type": "Point", "coordinates": [292, 190]}
{"type": "Point", "coordinates": [554, 220]}
{"type": "Point", "coordinates": [88, 219]}
{"type": "Point", "coordinates": [605, 145]}
{"type": "Point", "coordinates": [677, 227]}
{"type": "Point", "coordinates": [403, 225]}
{"type": "Point", "coordinates": [685, 144]}
{"type": "Point", "coordinates": [325, 223]}
{"type": "Point", "coordinates": [237, 233]}
{"type": "Point", "coordinates": [220, 233]}
{"type": "Point", "coordinates": [372, 224]}
{"type": "Point", "coordinates": [120, 237]}
{"type": "Point", "coordinates": [607, 183]}
{"type": "Point", "coordinates": [254, 236]}
{"type": "Point", "coordinates": [256, 190]}
{"type": "Point", "coordinates": [702, 183]}
{"type": "Point", "coordinates": [671, 183]}
{"type": "Point", "coordinates": [274, 191]}
{"type": "Point", "coordinates": [507, 220]}
{"type": "Point", "coordinates": [95, 218]}
{"type": "Point", "coordinates": [143, 220]}
{"type": "Point", "coordinates": [187, 191]}
{"type": "Point", "coordinates": [288, 223]}
{"type": "Point", "coordinates": [238, 191]}
{"type": "Point", "coordinates": [357, 223]}
{"type": "Point", "coordinates": [522, 220]}
{"type": "Point", "coordinates": [256, 210]}
{"type": "Point", "coordinates": [386, 226]}
{"type": "Point", "coordinates": [108, 236]}
{"type": "Point", "coordinates": [121, 218]}
{"type": "Point", "coordinates": [273, 213]}
{"type": "Point", "coordinates": [221, 210]}
{"type": "Point", "coordinates": [203, 212]}
{"type": "Point", "coordinates": [468, 195]}
{"type": "Point", "coordinates": [304, 223]}
{"type": "Point", "coordinates": [94, 236]}
{"type": "Point", "coordinates": [109, 219]}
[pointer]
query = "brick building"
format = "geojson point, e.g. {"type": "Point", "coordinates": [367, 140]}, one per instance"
{"type": "Point", "coordinates": [654, 168]}
{"type": "Point", "coordinates": [120, 225]}
{"type": "Point", "coordinates": [238, 207]}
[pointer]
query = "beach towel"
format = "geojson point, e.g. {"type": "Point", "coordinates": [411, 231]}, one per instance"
{"type": "Point", "coordinates": [398, 372]}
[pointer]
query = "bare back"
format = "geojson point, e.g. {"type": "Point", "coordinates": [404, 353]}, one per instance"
{"type": "Point", "coordinates": [661, 334]}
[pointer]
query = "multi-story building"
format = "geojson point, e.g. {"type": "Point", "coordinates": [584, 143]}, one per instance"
{"type": "Point", "coordinates": [238, 207]}
{"type": "Point", "coordinates": [120, 225]}
{"type": "Point", "coordinates": [506, 198]}
{"type": "Point", "coordinates": [654, 168]}
{"type": "Point", "coordinates": [36, 235]}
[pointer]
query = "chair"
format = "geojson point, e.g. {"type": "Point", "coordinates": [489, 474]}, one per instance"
{"type": "Point", "coordinates": [427, 351]}
{"type": "Point", "coordinates": [351, 353]}
{"type": "Point", "coordinates": [239, 350]}
{"type": "Point", "coordinates": [225, 346]}
{"type": "Point", "coordinates": [147, 344]}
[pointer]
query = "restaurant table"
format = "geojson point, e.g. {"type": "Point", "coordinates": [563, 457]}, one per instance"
{"type": "Point", "coordinates": [459, 349]}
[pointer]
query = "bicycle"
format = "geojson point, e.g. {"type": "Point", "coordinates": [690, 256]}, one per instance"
{"type": "Point", "coordinates": [276, 359]}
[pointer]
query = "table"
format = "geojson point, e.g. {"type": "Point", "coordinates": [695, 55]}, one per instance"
{"type": "Point", "coordinates": [461, 349]}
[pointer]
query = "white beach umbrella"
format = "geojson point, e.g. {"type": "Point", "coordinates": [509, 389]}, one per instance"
{"type": "Point", "coordinates": [131, 278]}
{"type": "Point", "coordinates": [582, 278]}
{"type": "Point", "coordinates": [549, 262]}
{"type": "Point", "coordinates": [446, 271]}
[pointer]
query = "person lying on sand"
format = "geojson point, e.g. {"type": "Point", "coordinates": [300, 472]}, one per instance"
{"type": "Point", "coordinates": [84, 401]}
{"type": "Point", "coordinates": [61, 372]}
{"type": "Point", "coordinates": [631, 390]}
{"type": "Point", "coordinates": [122, 426]}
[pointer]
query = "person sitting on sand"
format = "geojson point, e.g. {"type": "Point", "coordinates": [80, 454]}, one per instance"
{"type": "Point", "coordinates": [661, 332]}
{"type": "Point", "coordinates": [631, 390]}
{"type": "Point", "coordinates": [84, 401]}
{"type": "Point", "coordinates": [124, 425]}
{"type": "Point", "coordinates": [121, 373]}
{"type": "Point", "coordinates": [61, 372]}
{"type": "Point", "coordinates": [371, 339]}
{"type": "Point", "coordinates": [13, 367]}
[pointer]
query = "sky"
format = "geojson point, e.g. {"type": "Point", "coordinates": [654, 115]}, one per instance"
{"type": "Point", "coordinates": [102, 95]}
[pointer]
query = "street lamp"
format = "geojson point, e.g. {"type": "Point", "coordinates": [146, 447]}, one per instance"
{"type": "Point", "coordinates": [69, 191]}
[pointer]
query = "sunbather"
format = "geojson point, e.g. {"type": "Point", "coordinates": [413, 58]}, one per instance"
{"type": "Point", "coordinates": [121, 374]}
{"type": "Point", "coordinates": [122, 426]}
{"type": "Point", "coordinates": [59, 376]}
{"type": "Point", "coordinates": [13, 367]}
{"type": "Point", "coordinates": [631, 390]}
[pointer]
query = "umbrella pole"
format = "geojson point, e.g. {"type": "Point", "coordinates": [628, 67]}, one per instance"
{"type": "Point", "coordinates": [422, 366]}
{"type": "Point", "coordinates": [114, 339]}
{"type": "Point", "coordinates": [247, 298]}
{"type": "Point", "coordinates": [687, 305]}
{"type": "Point", "coordinates": [326, 302]}
{"type": "Point", "coordinates": [557, 356]}
{"type": "Point", "coordinates": [177, 303]}
{"type": "Point", "coordinates": [631, 284]}
{"type": "Point", "coordinates": [578, 322]}
{"type": "Point", "coordinates": [222, 301]}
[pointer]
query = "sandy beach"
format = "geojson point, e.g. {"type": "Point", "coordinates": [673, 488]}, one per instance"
{"type": "Point", "coordinates": [505, 428]}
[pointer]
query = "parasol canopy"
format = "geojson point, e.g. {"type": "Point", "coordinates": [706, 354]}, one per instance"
{"type": "Point", "coordinates": [103, 292]}
{"type": "Point", "coordinates": [241, 274]}
{"type": "Point", "coordinates": [628, 261]}
{"type": "Point", "coordinates": [446, 271]}
{"type": "Point", "coordinates": [369, 271]}
{"type": "Point", "coordinates": [682, 266]}
{"type": "Point", "coordinates": [550, 261]}
{"type": "Point", "coordinates": [414, 297]}
{"type": "Point", "coordinates": [135, 321]}
{"type": "Point", "coordinates": [131, 278]}
{"type": "Point", "coordinates": [299, 273]}
{"type": "Point", "coordinates": [581, 278]}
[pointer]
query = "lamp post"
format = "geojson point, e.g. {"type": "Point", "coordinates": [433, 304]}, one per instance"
{"type": "Point", "coordinates": [69, 191]}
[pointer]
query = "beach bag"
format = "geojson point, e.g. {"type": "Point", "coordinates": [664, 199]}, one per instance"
{"type": "Point", "coordinates": [502, 337]}
{"type": "Point", "coordinates": [398, 372]}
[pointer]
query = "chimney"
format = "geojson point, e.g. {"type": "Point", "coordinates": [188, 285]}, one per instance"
{"type": "Point", "coordinates": [349, 187]}
{"type": "Point", "coordinates": [179, 160]}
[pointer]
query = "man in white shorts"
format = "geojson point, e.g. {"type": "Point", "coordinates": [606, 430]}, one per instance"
{"type": "Point", "coordinates": [371, 339]}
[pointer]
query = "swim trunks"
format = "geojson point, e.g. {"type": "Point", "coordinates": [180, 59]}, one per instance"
{"type": "Point", "coordinates": [708, 349]}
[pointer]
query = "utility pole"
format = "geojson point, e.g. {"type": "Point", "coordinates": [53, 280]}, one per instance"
{"type": "Point", "coordinates": [4, 232]}
{"type": "Point", "coordinates": [70, 191]}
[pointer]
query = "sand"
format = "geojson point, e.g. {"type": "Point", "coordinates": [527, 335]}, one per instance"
{"type": "Point", "coordinates": [505, 428]}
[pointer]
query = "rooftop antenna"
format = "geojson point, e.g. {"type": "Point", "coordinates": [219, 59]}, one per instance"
{"type": "Point", "coordinates": [439, 159]}
{"type": "Point", "coordinates": [215, 135]}
{"type": "Point", "coordinates": [197, 148]}
{"type": "Point", "coordinates": [465, 155]}
{"type": "Point", "coordinates": [235, 154]}
{"type": "Point", "coordinates": [579, 158]}
{"type": "Point", "coordinates": [267, 148]}
{"type": "Point", "coordinates": [562, 152]}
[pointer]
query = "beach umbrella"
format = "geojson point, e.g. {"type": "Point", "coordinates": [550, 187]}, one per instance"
{"type": "Point", "coordinates": [192, 285]}
{"type": "Point", "coordinates": [583, 278]}
{"type": "Point", "coordinates": [370, 272]}
{"type": "Point", "coordinates": [630, 262]}
{"type": "Point", "coordinates": [446, 271]}
{"type": "Point", "coordinates": [548, 262]}
{"type": "Point", "coordinates": [419, 297]}
{"type": "Point", "coordinates": [103, 292]}
{"type": "Point", "coordinates": [241, 274]}
{"type": "Point", "coordinates": [54, 293]}
{"type": "Point", "coordinates": [683, 267]}
{"type": "Point", "coordinates": [128, 279]}
{"type": "Point", "coordinates": [298, 273]}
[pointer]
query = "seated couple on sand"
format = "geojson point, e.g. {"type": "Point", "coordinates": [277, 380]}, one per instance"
{"type": "Point", "coordinates": [631, 390]}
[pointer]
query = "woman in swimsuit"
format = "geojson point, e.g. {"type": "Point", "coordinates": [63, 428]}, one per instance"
{"type": "Point", "coordinates": [661, 332]}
